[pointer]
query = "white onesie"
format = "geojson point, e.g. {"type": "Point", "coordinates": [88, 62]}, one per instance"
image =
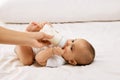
{"type": "Point", "coordinates": [53, 61]}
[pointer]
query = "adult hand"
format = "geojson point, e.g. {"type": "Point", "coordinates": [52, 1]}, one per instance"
{"type": "Point", "coordinates": [33, 39]}
{"type": "Point", "coordinates": [40, 39]}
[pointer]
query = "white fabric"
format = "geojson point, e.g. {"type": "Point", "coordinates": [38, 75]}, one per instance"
{"type": "Point", "coordinates": [54, 61]}
{"type": "Point", "coordinates": [22, 11]}
{"type": "Point", "coordinates": [104, 36]}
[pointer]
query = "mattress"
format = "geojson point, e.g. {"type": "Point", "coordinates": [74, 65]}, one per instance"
{"type": "Point", "coordinates": [104, 36]}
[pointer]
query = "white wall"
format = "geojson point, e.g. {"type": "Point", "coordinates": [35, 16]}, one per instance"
{"type": "Point", "coordinates": [59, 10]}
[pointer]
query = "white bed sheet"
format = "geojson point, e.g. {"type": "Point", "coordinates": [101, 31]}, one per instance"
{"type": "Point", "coordinates": [104, 36]}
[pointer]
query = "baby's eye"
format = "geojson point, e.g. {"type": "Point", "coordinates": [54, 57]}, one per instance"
{"type": "Point", "coordinates": [72, 40]}
{"type": "Point", "coordinates": [71, 48]}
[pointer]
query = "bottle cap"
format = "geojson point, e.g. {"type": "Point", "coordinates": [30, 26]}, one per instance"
{"type": "Point", "coordinates": [62, 42]}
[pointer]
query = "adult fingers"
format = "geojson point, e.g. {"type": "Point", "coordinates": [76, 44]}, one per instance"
{"type": "Point", "coordinates": [46, 36]}
{"type": "Point", "coordinates": [38, 44]}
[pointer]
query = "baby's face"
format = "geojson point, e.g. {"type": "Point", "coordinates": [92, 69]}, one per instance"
{"type": "Point", "coordinates": [74, 50]}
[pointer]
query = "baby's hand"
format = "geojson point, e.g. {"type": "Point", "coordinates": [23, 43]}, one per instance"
{"type": "Point", "coordinates": [58, 51]}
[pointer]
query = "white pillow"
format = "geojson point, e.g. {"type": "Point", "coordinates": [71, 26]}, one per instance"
{"type": "Point", "coordinates": [23, 11]}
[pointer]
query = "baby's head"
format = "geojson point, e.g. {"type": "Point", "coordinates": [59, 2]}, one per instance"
{"type": "Point", "coordinates": [79, 52]}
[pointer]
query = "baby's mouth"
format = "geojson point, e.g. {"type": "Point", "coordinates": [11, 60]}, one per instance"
{"type": "Point", "coordinates": [64, 46]}
{"type": "Point", "coordinates": [64, 51]}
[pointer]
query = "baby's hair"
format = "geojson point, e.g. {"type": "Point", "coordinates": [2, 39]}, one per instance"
{"type": "Point", "coordinates": [91, 51]}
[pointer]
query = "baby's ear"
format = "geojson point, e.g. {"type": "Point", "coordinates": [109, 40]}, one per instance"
{"type": "Point", "coordinates": [73, 62]}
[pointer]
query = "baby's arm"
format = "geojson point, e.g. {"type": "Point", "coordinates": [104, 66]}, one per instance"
{"type": "Point", "coordinates": [44, 55]}
{"type": "Point", "coordinates": [58, 51]}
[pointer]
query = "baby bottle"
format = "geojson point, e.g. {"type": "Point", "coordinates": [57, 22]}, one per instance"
{"type": "Point", "coordinates": [58, 39]}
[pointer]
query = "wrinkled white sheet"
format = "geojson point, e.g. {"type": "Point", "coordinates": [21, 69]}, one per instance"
{"type": "Point", "coordinates": [104, 36]}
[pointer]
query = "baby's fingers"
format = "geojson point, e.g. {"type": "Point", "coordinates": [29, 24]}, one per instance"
{"type": "Point", "coordinates": [58, 51]}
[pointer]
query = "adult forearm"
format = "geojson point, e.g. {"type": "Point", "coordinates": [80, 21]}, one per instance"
{"type": "Point", "coordinates": [13, 37]}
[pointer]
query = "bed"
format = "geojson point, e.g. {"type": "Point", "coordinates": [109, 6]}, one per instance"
{"type": "Point", "coordinates": [104, 36]}
{"type": "Point", "coordinates": [99, 23]}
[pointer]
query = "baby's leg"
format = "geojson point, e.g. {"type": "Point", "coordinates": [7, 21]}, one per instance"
{"type": "Point", "coordinates": [25, 53]}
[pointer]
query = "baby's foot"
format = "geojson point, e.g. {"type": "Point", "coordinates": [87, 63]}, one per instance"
{"type": "Point", "coordinates": [33, 27]}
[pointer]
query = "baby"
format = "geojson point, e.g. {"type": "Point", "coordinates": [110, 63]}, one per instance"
{"type": "Point", "coordinates": [74, 52]}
